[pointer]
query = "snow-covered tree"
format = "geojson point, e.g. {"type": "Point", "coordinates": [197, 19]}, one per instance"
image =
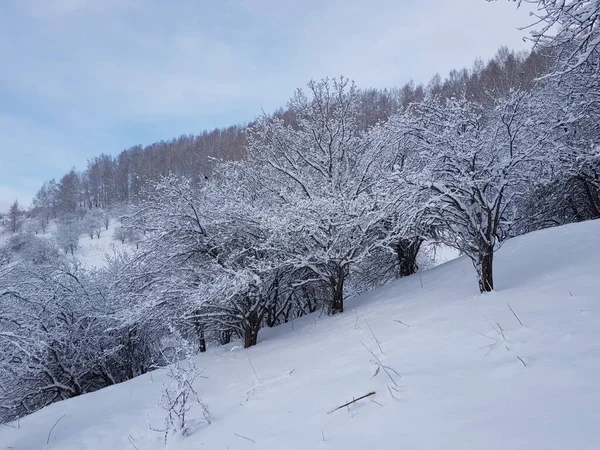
{"type": "Point", "coordinates": [15, 215]}
{"type": "Point", "coordinates": [64, 332]}
{"type": "Point", "coordinates": [49, 335]}
{"type": "Point", "coordinates": [316, 179]}
{"type": "Point", "coordinates": [472, 166]}
{"type": "Point", "coordinates": [68, 234]}
{"type": "Point", "coordinates": [571, 26]}
{"type": "Point", "coordinates": [568, 110]}
{"type": "Point", "coordinates": [196, 260]}
{"type": "Point", "coordinates": [92, 223]}
{"type": "Point", "coordinates": [30, 248]}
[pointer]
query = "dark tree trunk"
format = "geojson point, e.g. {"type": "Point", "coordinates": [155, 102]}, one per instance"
{"type": "Point", "coordinates": [225, 337]}
{"type": "Point", "coordinates": [271, 318]}
{"type": "Point", "coordinates": [595, 210]}
{"type": "Point", "coordinates": [574, 210]}
{"type": "Point", "coordinates": [485, 269]}
{"type": "Point", "coordinates": [337, 284]}
{"type": "Point", "coordinates": [251, 328]}
{"type": "Point", "coordinates": [406, 253]}
{"type": "Point", "coordinates": [202, 343]}
{"type": "Point", "coordinates": [250, 336]}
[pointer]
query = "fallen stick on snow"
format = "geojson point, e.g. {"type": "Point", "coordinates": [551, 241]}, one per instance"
{"type": "Point", "coordinates": [353, 401]}
{"type": "Point", "coordinates": [244, 437]}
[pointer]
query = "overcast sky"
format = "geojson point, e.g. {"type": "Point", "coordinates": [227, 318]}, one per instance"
{"type": "Point", "coordinates": [82, 77]}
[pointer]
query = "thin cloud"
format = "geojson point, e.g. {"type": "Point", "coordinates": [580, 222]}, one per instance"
{"type": "Point", "coordinates": [81, 77]}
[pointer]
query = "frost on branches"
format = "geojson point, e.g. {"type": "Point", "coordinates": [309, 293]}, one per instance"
{"type": "Point", "coordinates": [570, 26]}
{"type": "Point", "coordinates": [318, 185]}
{"type": "Point", "coordinates": [470, 166]}
{"type": "Point", "coordinates": [184, 410]}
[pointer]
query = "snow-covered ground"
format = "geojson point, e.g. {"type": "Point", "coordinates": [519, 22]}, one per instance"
{"type": "Point", "coordinates": [463, 372]}
{"type": "Point", "coordinates": [92, 253]}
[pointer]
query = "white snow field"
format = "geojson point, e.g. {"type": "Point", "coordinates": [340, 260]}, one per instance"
{"type": "Point", "coordinates": [469, 375]}
{"type": "Point", "coordinates": [92, 253]}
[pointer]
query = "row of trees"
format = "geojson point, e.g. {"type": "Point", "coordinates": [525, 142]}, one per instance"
{"type": "Point", "coordinates": [112, 181]}
{"type": "Point", "coordinates": [335, 194]}
{"type": "Point", "coordinates": [320, 201]}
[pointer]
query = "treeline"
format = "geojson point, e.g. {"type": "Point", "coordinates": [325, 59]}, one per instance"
{"type": "Point", "coordinates": [330, 196]}
{"type": "Point", "coordinates": [109, 181]}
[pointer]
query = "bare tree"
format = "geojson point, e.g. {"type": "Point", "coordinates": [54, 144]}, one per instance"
{"type": "Point", "coordinates": [14, 217]}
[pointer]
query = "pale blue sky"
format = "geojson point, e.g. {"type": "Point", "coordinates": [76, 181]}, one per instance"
{"type": "Point", "coordinates": [82, 77]}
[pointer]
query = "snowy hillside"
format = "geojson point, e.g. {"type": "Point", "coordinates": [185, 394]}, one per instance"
{"type": "Point", "coordinates": [92, 252]}
{"type": "Point", "coordinates": [451, 369]}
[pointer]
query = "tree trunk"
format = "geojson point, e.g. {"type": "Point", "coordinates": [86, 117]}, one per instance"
{"type": "Point", "coordinates": [485, 269]}
{"type": "Point", "coordinates": [337, 284]}
{"type": "Point", "coordinates": [250, 336]}
{"type": "Point", "coordinates": [225, 337]}
{"type": "Point", "coordinates": [202, 343]}
{"type": "Point", "coordinates": [251, 328]}
{"type": "Point", "coordinates": [271, 319]}
{"type": "Point", "coordinates": [406, 253]}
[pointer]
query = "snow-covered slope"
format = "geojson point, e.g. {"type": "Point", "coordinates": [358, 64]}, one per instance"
{"type": "Point", "coordinates": [469, 375]}
{"type": "Point", "coordinates": [92, 252]}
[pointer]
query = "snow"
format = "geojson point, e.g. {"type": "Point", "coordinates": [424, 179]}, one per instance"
{"type": "Point", "coordinates": [92, 253]}
{"type": "Point", "coordinates": [461, 384]}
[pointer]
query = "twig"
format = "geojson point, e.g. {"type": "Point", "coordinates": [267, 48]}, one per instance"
{"type": "Point", "coordinates": [374, 337]}
{"type": "Point", "coordinates": [519, 358]}
{"type": "Point", "coordinates": [399, 321]}
{"type": "Point", "coordinates": [356, 326]}
{"type": "Point", "coordinates": [56, 423]}
{"type": "Point", "coordinates": [484, 335]}
{"type": "Point", "coordinates": [391, 393]}
{"type": "Point", "coordinates": [377, 403]}
{"type": "Point", "coordinates": [244, 437]}
{"type": "Point", "coordinates": [131, 442]}
{"type": "Point", "coordinates": [323, 434]}
{"type": "Point", "coordinates": [421, 278]}
{"type": "Point", "coordinates": [515, 314]}
{"type": "Point", "coordinates": [501, 330]}
{"type": "Point", "coordinates": [380, 365]}
{"type": "Point", "coordinates": [352, 401]}
{"type": "Point", "coordinates": [493, 326]}
{"type": "Point", "coordinates": [253, 369]}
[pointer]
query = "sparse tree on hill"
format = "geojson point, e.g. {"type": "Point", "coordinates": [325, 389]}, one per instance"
{"type": "Point", "coordinates": [67, 235]}
{"type": "Point", "coordinates": [15, 215]}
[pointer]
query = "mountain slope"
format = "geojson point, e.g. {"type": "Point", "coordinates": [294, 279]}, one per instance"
{"type": "Point", "coordinates": [469, 375]}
